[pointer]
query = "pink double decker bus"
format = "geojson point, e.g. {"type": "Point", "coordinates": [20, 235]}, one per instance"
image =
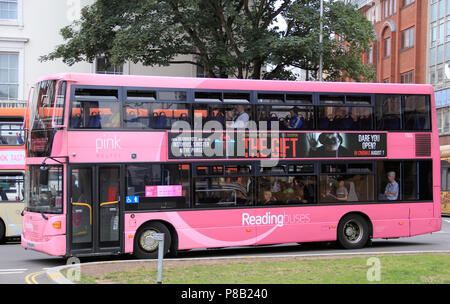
{"type": "Point", "coordinates": [112, 160]}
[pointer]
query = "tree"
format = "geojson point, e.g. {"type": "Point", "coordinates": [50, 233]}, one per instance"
{"type": "Point", "coordinates": [227, 38]}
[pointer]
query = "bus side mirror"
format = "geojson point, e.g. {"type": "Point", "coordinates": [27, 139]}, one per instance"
{"type": "Point", "coordinates": [43, 176]}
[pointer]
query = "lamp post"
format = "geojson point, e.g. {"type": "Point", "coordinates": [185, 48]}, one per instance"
{"type": "Point", "coordinates": [320, 41]}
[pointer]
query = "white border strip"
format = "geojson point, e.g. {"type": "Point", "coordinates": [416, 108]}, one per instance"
{"type": "Point", "coordinates": [56, 276]}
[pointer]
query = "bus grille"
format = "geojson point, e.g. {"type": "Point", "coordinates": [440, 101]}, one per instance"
{"type": "Point", "coordinates": [423, 144]}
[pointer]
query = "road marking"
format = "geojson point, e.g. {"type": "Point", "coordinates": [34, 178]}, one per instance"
{"type": "Point", "coordinates": [10, 272]}
{"type": "Point", "coordinates": [22, 270]}
{"type": "Point", "coordinates": [31, 278]}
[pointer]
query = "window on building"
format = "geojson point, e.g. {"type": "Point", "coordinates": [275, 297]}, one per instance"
{"type": "Point", "coordinates": [440, 37]}
{"type": "Point", "coordinates": [434, 12]}
{"type": "Point", "coordinates": [407, 77]}
{"type": "Point", "coordinates": [432, 77]}
{"type": "Point", "coordinates": [447, 37]}
{"type": "Point", "coordinates": [9, 76]}
{"type": "Point", "coordinates": [407, 2]}
{"type": "Point", "coordinates": [441, 9]}
{"type": "Point", "coordinates": [9, 9]}
{"type": "Point", "coordinates": [370, 55]}
{"type": "Point", "coordinates": [447, 51]}
{"type": "Point", "coordinates": [103, 66]}
{"type": "Point", "coordinates": [432, 56]}
{"type": "Point", "coordinates": [440, 54]}
{"type": "Point", "coordinates": [433, 36]}
{"type": "Point", "coordinates": [408, 38]}
{"type": "Point", "coordinates": [387, 47]}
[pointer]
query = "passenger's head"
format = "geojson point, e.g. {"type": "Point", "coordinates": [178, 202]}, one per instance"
{"type": "Point", "coordinates": [240, 108]}
{"type": "Point", "coordinates": [341, 112]}
{"type": "Point", "coordinates": [391, 176]}
{"type": "Point", "coordinates": [267, 195]}
{"type": "Point", "coordinates": [293, 112]}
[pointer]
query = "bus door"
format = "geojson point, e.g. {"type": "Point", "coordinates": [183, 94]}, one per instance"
{"type": "Point", "coordinates": [94, 209]}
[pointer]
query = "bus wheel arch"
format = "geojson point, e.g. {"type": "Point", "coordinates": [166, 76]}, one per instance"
{"type": "Point", "coordinates": [355, 230]}
{"type": "Point", "coordinates": [149, 250]}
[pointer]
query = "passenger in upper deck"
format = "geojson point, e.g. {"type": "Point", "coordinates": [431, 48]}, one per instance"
{"type": "Point", "coordinates": [241, 118]}
{"type": "Point", "coordinates": [295, 122]}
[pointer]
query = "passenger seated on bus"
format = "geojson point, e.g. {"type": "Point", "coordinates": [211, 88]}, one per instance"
{"type": "Point", "coordinates": [392, 189]}
{"type": "Point", "coordinates": [352, 196]}
{"type": "Point", "coordinates": [309, 121]}
{"type": "Point", "coordinates": [299, 197]}
{"type": "Point", "coordinates": [415, 121]}
{"type": "Point", "coordinates": [76, 120]}
{"type": "Point", "coordinates": [219, 117]}
{"type": "Point", "coordinates": [343, 121]}
{"type": "Point", "coordinates": [339, 193]}
{"type": "Point", "coordinates": [268, 199]}
{"type": "Point", "coordinates": [327, 123]}
{"type": "Point", "coordinates": [94, 121]}
{"type": "Point", "coordinates": [159, 120]}
{"type": "Point", "coordinates": [240, 120]}
{"type": "Point", "coordinates": [19, 139]}
{"type": "Point", "coordinates": [308, 190]}
{"type": "Point", "coordinates": [294, 122]}
{"type": "Point", "coordinates": [153, 121]}
{"type": "Point", "coordinates": [391, 122]}
{"type": "Point", "coordinates": [365, 119]}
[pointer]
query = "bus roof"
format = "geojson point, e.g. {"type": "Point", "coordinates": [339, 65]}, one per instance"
{"type": "Point", "coordinates": [239, 84]}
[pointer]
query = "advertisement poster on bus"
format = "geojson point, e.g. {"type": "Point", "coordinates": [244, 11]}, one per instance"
{"type": "Point", "coordinates": [283, 145]}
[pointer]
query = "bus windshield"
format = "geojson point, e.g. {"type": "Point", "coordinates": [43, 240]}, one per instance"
{"type": "Point", "coordinates": [45, 191]}
{"type": "Point", "coordinates": [41, 105]}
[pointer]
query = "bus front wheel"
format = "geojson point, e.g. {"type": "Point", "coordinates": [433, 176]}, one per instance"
{"type": "Point", "coordinates": [353, 231]}
{"type": "Point", "coordinates": [145, 245]}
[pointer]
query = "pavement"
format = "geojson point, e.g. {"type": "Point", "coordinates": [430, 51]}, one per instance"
{"type": "Point", "coordinates": [19, 266]}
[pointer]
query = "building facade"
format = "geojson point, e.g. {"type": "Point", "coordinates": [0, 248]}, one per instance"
{"type": "Point", "coordinates": [399, 52]}
{"type": "Point", "coordinates": [30, 29]}
{"type": "Point", "coordinates": [438, 46]}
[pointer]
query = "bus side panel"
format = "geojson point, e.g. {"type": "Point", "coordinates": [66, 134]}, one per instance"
{"type": "Point", "coordinates": [422, 220]}
{"type": "Point", "coordinates": [11, 217]}
{"type": "Point", "coordinates": [241, 227]}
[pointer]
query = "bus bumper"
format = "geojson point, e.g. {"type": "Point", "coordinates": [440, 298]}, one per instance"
{"type": "Point", "coordinates": [51, 245]}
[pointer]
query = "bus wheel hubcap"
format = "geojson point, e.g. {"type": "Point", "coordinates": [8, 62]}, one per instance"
{"type": "Point", "coordinates": [353, 231]}
{"type": "Point", "coordinates": [147, 240]}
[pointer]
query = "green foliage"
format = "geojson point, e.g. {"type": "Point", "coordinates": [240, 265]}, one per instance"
{"type": "Point", "coordinates": [227, 38]}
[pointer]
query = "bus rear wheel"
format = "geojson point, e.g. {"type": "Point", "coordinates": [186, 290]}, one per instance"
{"type": "Point", "coordinates": [353, 231]}
{"type": "Point", "coordinates": [2, 232]}
{"type": "Point", "coordinates": [145, 245]}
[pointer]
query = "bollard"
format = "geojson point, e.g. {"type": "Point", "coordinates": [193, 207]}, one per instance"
{"type": "Point", "coordinates": [160, 238]}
